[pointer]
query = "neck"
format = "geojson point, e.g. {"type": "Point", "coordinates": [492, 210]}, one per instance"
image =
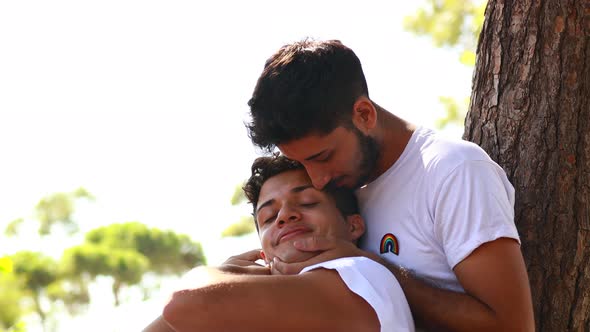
{"type": "Point", "coordinates": [393, 134]}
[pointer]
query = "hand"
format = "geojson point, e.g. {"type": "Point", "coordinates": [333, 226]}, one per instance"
{"type": "Point", "coordinates": [245, 264]}
{"type": "Point", "coordinates": [328, 248]}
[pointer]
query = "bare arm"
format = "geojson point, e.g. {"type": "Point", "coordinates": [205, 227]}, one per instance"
{"type": "Point", "coordinates": [497, 294]}
{"type": "Point", "coordinates": [158, 325]}
{"type": "Point", "coordinates": [314, 301]}
{"type": "Point", "coordinates": [494, 277]}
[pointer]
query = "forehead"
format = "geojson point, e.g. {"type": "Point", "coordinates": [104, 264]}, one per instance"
{"type": "Point", "coordinates": [302, 148]}
{"type": "Point", "coordinates": [282, 184]}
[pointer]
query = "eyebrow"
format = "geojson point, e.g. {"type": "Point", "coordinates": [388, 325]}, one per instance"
{"type": "Point", "coordinates": [294, 190]}
{"type": "Point", "coordinates": [312, 157]}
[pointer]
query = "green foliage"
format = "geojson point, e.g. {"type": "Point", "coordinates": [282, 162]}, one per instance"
{"type": "Point", "coordinates": [58, 208]}
{"type": "Point", "coordinates": [13, 226]}
{"type": "Point", "coordinates": [12, 294]}
{"type": "Point", "coordinates": [6, 265]}
{"type": "Point", "coordinates": [451, 23]}
{"type": "Point", "coordinates": [124, 264]}
{"type": "Point", "coordinates": [53, 209]}
{"type": "Point", "coordinates": [242, 227]}
{"type": "Point", "coordinates": [126, 251]}
{"type": "Point", "coordinates": [238, 197]}
{"type": "Point", "coordinates": [72, 292]}
{"type": "Point", "coordinates": [166, 251]}
{"type": "Point", "coordinates": [17, 327]}
{"type": "Point", "coordinates": [456, 24]}
{"type": "Point", "coordinates": [36, 270]}
{"type": "Point", "coordinates": [455, 111]}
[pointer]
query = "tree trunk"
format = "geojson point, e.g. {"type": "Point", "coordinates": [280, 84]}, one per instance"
{"type": "Point", "coordinates": [530, 110]}
{"type": "Point", "coordinates": [39, 310]}
{"type": "Point", "coordinates": [116, 291]}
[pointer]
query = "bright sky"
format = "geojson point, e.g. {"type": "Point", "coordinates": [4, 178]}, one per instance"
{"type": "Point", "coordinates": [143, 102]}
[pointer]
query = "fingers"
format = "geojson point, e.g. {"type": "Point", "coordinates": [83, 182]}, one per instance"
{"type": "Point", "coordinates": [245, 259]}
{"type": "Point", "coordinates": [251, 269]}
{"type": "Point", "coordinates": [245, 264]}
{"type": "Point", "coordinates": [252, 255]}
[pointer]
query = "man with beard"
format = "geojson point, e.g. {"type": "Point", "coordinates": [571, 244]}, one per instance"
{"type": "Point", "coordinates": [440, 212]}
{"type": "Point", "coordinates": [344, 294]}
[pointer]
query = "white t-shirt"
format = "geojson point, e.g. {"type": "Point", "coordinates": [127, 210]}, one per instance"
{"type": "Point", "coordinates": [376, 285]}
{"type": "Point", "coordinates": [441, 200]}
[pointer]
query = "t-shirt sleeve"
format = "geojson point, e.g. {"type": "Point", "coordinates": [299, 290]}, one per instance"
{"type": "Point", "coordinates": [376, 285]}
{"type": "Point", "coordinates": [474, 205]}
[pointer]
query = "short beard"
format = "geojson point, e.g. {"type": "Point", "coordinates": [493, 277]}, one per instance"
{"type": "Point", "coordinates": [370, 153]}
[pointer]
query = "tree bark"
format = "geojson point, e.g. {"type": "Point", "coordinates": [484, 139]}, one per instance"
{"type": "Point", "coordinates": [530, 110]}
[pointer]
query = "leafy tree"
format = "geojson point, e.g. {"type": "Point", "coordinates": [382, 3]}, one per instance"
{"type": "Point", "coordinates": [36, 272]}
{"type": "Point", "coordinates": [166, 251]}
{"type": "Point", "coordinates": [242, 227]}
{"type": "Point", "coordinates": [246, 223]}
{"type": "Point", "coordinates": [13, 227]}
{"type": "Point", "coordinates": [454, 24]}
{"type": "Point", "coordinates": [450, 23]}
{"type": "Point", "coordinates": [238, 196]}
{"type": "Point", "coordinates": [54, 209]}
{"type": "Point", "coordinates": [39, 279]}
{"type": "Point", "coordinates": [58, 208]}
{"type": "Point", "coordinates": [125, 266]}
{"type": "Point", "coordinates": [10, 288]}
{"type": "Point", "coordinates": [127, 251]}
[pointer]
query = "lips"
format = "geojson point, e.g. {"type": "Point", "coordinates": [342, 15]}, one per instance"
{"type": "Point", "coordinates": [292, 232]}
{"type": "Point", "coordinates": [339, 181]}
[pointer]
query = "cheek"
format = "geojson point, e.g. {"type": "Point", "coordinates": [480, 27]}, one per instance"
{"type": "Point", "coordinates": [346, 159]}
{"type": "Point", "coordinates": [265, 238]}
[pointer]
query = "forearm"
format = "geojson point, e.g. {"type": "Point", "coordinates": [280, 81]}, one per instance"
{"type": "Point", "coordinates": [438, 309]}
{"type": "Point", "coordinates": [158, 325]}
{"type": "Point", "coordinates": [315, 301]}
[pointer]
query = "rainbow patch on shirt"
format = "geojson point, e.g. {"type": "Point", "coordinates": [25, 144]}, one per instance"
{"type": "Point", "coordinates": [389, 243]}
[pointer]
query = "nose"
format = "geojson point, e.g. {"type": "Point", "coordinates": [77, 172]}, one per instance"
{"type": "Point", "coordinates": [288, 214]}
{"type": "Point", "coordinates": [318, 177]}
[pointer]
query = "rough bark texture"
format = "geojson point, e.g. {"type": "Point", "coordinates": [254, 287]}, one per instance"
{"type": "Point", "coordinates": [530, 110]}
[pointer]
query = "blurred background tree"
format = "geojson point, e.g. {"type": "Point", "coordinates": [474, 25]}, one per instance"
{"type": "Point", "coordinates": [453, 24]}
{"type": "Point", "coordinates": [51, 210]}
{"type": "Point", "coordinates": [33, 282]}
{"type": "Point", "coordinates": [35, 273]}
{"type": "Point", "coordinates": [12, 295]}
{"type": "Point", "coordinates": [243, 226]}
{"type": "Point", "coordinates": [88, 261]}
{"type": "Point", "coordinates": [166, 251]}
{"type": "Point", "coordinates": [127, 251]}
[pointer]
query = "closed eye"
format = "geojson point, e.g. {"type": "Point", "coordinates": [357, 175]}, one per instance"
{"type": "Point", "coordinates": [323, 158]}
{"type": "Point", "coordinates": [271, 219]}
{"type": "Point", "coordinates": [310, 204]}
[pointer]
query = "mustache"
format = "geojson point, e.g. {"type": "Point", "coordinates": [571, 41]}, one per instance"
{"type": "Point", "coordinates": [331, 186]}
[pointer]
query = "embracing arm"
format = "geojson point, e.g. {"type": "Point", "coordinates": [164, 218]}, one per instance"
{"type": "Point", "coordinates": [494, 277]}
{"type": "Point", "coordinates": [314, 301]}
{"type": "Point", "coordinates": [158, 325]}
{"type": "Point", "coordinates": [497, 294]}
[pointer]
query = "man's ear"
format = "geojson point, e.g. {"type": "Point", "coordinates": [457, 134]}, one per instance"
{"type": "Point", "coordinates": [263, 256]}
{"type": "Point", "coordinates": [364, 114]}
{"type": "Point", "coordinates": [356, 226]}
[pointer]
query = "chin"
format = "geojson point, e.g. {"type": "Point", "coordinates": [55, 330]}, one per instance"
{"type": "Point", "coordinates": [292, 255]}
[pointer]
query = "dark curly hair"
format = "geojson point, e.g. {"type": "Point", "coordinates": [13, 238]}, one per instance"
{"type": "Point", "coordinates": [266, 167]}
{"type": "Point", "coordinates": [305, 87]}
